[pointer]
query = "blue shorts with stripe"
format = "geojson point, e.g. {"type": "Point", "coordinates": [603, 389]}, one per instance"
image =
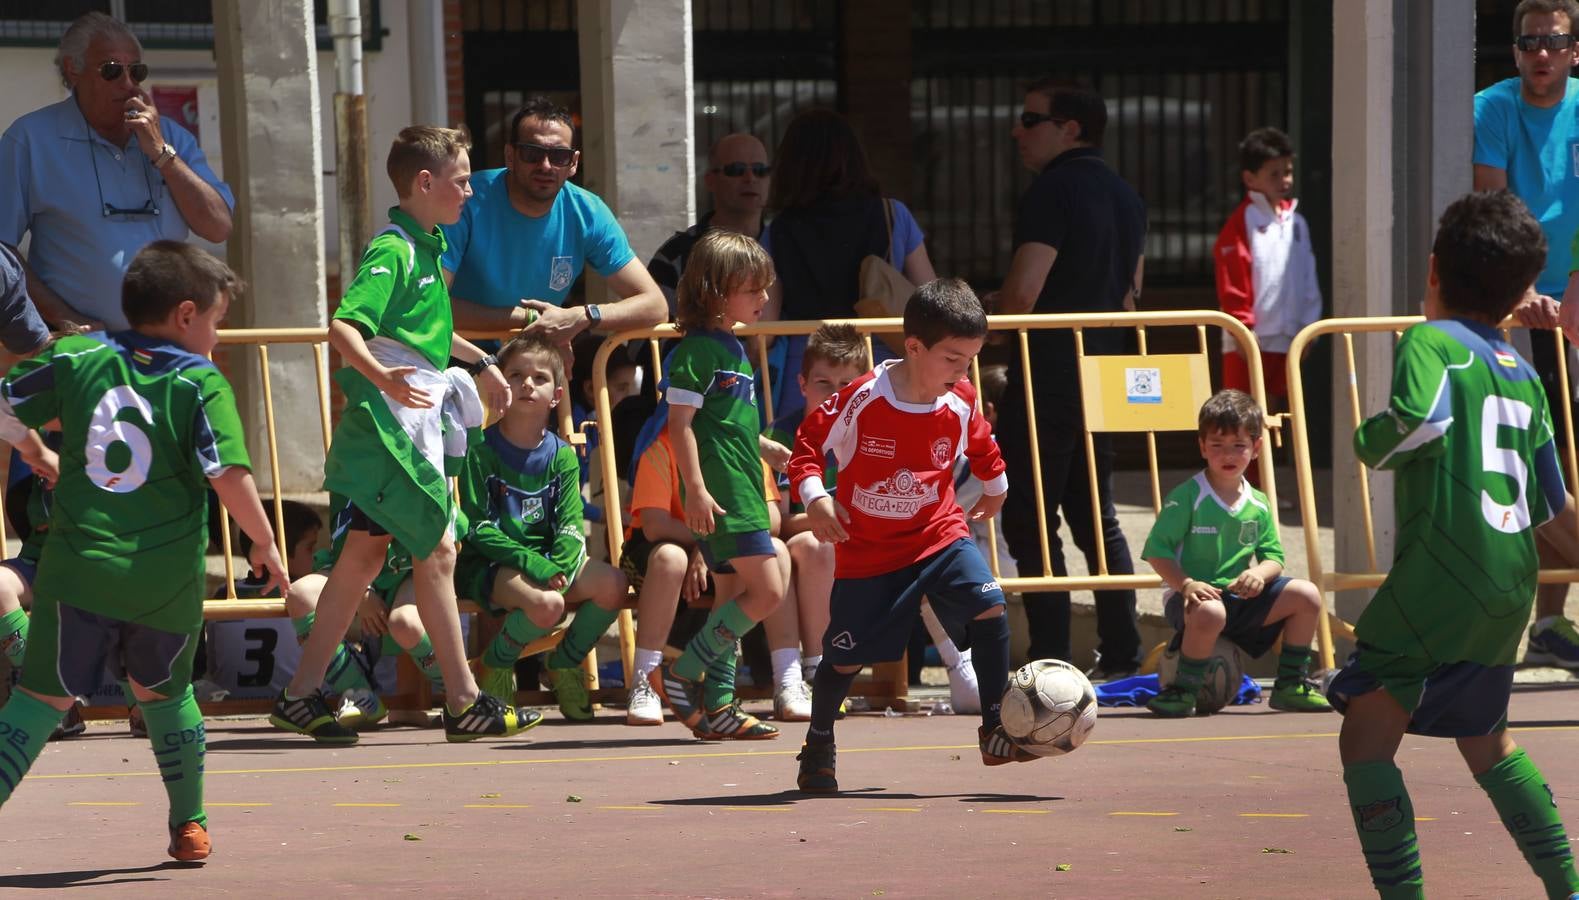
{"type": "Point", "coordinates": [870, 619]}
{"type": "Point", "coordinates": [1448, 700]}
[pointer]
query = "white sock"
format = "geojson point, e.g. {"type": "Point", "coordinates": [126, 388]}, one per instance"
{"type": "Point", "coordinates": [786, 666]}
{"type": "Point", "coordinates": [646, 661]}
{"type": "Point", "coordinates": [808, 666]}
{"type": "Point", "coordinates": [962, 662]}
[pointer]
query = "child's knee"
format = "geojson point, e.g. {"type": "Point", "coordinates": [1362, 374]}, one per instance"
{"type": "Point", "coordinates": [302, 597]}
{"type": "Point", "coordinates": [441, 557]}
{"type": "Point", "coordinates": [1306, 595]}
{"type": "Point", "coordinates": [545, 609]}
{"type": "Point", "coordinates": [1210, 615]}
{"type": "Point", "coordinates": [405, 626]}
{"type": "Point", "coordinates": [668, 558]}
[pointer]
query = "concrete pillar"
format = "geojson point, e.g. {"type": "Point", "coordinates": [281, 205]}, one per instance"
{"type": "Point", "coordinates": [1401, 136]}
{"type": "Point", "coordinates": [875, 56]}
{"type": "Point", "coordinates": [637, 112]}
{"type": "Point", "coordinates": [268, 77]}
{"type": "Point", "coordinates": [429, 85]}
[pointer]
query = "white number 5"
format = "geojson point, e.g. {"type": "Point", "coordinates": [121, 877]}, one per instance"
{"type": "Point", "coordinates": [1495, 413]}
{"type": "Point", "coordinates": [105, 431]}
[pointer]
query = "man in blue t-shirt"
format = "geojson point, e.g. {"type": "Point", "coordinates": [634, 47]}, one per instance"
{"type": "Point", "coordinates": [525, 236]}
{"type": "Point", "coordinates": [1527, 140]}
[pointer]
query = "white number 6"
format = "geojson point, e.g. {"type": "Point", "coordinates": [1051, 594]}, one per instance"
{"type": "Point", "coordinates": [1495, 413]}
{"type": "Point", "coordinates": [105, 430]}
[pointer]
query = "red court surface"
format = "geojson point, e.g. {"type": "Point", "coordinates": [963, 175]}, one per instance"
{"type": "Point", "coordinates": [1248, 803]}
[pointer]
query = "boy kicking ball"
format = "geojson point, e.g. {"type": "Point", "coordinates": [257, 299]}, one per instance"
{"type": "Point", "coordinates": [895, 435]}
{"type": "Point", "coordinates": [1468, 434]}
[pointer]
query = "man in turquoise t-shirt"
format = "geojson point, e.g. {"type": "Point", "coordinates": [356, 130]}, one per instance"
{"type": "Point", "coordinates": [1527, 140]}
{"type": "Point", "coordinates": [525, 236]}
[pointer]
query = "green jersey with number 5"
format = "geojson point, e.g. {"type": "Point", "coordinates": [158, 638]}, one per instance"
{"type": "Point", "coordinates": [1470, 439]}
{"type": "Point", "coordinates": [144, 425]}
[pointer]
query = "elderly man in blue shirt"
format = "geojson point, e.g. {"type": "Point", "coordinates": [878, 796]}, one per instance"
{"type": "Point", "coordinates": [98, 176]}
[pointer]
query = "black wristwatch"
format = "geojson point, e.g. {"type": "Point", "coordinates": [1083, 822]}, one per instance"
{"type": "Point", "coordinates": [594, 316]}
{"type": "Point", "coordinates": [477, 367]}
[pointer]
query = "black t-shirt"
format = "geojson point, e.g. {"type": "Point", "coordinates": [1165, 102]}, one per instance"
{"type": "Point", "coordinates": [1080, 207]}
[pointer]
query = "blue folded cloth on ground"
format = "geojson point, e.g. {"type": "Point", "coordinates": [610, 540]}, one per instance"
{"type": "Point", "coordinates": [1139, 689]}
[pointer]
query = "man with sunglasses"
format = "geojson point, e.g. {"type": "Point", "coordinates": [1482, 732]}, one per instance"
{"type": "Point", "coordinates": [1079, 235]}
{"type": "Point", "coordinates": [1527, 140]}
{"type": "Point", "coordinates": [737, 180]}
{"type": "Point", "coordinates": [526, 234]}
{"type": "Point", "coordinates": [98, 176]}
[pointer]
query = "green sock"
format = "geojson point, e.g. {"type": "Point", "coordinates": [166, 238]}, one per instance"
{"type": "Point", "coordinates": [1528, 810]}
{"type": "Point", "coordinates": [1292, 664]}
{"type": "Point", "coordinates": [175, 728]}
{"type": "Point", "coordinates": [304, 625]}
{"type": "Point", "coordinates": [515, 634]}
{"type": "Point", "coordinates": [717, 637]}
{"type": "Point", "coordinates": [343, 673]}
{"type": "Point", "coordinates": [427, 661]}
{"type": "Point", "coordinates": [1385, 821]}
{"type": "Point", "coordinates": [589, 624]}
{"type": "Point", "coordinates": [13, 635]}
{"type": "Point", "coordinates": [25, 724]}
{"type": "Point", "coordinates": [718, 690]}
{"type": "Point", "coordinates": [1192, 674]}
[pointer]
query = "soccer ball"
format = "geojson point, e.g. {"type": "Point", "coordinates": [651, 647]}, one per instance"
{"type": "Point", "coordinates": [1225, 671]}
{"type": "Point", "coordinates": [1049, 707]}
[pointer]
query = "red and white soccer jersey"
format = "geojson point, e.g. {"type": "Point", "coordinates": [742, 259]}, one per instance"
{"type": "Point", "coordinates": [896, 469]}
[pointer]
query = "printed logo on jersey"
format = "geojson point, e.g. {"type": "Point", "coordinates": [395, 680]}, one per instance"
{"type": "Point", "coordinates": [426, 280]}
{"type": "Point", "coordinates": [858, 401]}
{"type": "Point", "coordinates": [379, 270]}
{"type": "Point", "coordinates": [143, 357]}
{"type": "Point", "coordinates": [1249, 533]}
{"type": "Point", "coordinates": [942, 453]}
{"type": "Point", "coordinates": [900, 496]}
{"type": "Point", "coordinates": [831, 405]}
{"type": "Point", "coordinates": [1379, 816]}
{"type": "Point", "coordinates": [1507, 360]}
{"type": "Point", "coordinates": [843, 640]}
{"type": "Point", "coordinates": [559, 274]}
{"type": "Point", "coordinates": [516, 505]}
{"type": "Point", "coordinates": [989, 587]}
{"type": "Point", "coordinates": [1203, 529]}
{"type": "Point", "coordinates": [882, 448]}
{"type": "Point", "coordinates": [734, 384]}
{"type": "Point", "coordinates": [532, 509]}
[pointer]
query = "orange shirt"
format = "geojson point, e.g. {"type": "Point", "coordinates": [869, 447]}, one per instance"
{"type": "Point", "coordinates": [657, 484]}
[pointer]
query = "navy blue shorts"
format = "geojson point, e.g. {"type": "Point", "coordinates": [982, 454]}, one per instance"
{"type": "Point", "coordinates": [26, 568]}
{"type": "Point", "coordinates": [1448, 700]}
{"type": "Point", "coordinates": [356, 520]}
{"type": "Point", "coordinates": [870, 619]}
{"type": "Point", "coordinates": [1246, 625]}
{"type": "Point", "coordinates": [718, 549]}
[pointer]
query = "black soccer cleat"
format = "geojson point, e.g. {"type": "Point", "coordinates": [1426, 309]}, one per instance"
{"type": "Point", "coordinates": [817, 769]}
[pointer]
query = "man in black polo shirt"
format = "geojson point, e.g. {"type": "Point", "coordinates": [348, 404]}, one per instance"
{"type": "Point", "coordinates": [1078, 248]}
{"type": "Point", "coordinates": [737, 180]}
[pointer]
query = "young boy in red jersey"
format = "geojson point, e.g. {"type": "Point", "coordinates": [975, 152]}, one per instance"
{"type": "Point", "coordinates": [895, 434]}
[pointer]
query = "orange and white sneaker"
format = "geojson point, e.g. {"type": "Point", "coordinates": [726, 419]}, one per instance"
{"type": "Point", "coordinates": [189, 843]}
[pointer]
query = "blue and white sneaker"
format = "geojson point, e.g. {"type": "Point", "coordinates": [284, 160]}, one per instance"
{"type": "Point", "coordinates": [1555, 645]}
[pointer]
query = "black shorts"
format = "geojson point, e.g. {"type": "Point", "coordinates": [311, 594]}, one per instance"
{"type": "Point", "coordinates": [356, 520]}
{"type": "Point", "coordinates": [1246, 625]}
{"type": "Point", "coordinates": [635, 552]}
{"type": "Point", "coordinates": [870, 619]}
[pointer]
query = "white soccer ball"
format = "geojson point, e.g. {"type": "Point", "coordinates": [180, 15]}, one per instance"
{"type": "Point", "coordinates": [1049, 707]}
{"type": "Point", "coordinates": [1225, 672]}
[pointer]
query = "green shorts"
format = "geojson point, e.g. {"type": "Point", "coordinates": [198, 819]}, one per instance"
{"type": "Point", "coordinates": [68, 649]}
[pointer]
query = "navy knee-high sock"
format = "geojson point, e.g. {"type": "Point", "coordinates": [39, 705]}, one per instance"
{"type": "Point", "coordinates": [989, 656]}
{"type": "Point", "coordinates": [829, 687]}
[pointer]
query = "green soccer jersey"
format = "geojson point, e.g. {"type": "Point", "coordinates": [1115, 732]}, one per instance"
{"type": "Point", "coordinates": [1211, 540]}
{"type": "Point", "coordinates": [399, 290]}
{"type": "Point", "coordinates": [144, 425]}
{"type": "Point", "coordinates": [523, 506]}
{"type": "Point", "coordinates": [1468, 435]}
{"type": "Point", "coordinates": [709, 371]}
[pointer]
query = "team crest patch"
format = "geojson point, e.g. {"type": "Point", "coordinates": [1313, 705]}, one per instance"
{"type": "Point", "coordinates": [559, 274]}
{"type": "Point", "coordinates": [532, 509]}
{"type": "Point", "coordinates": [942, 452]}
{"type": "Point", "coordinates": [1507, 360]}
{"type": "Point", "coordinates": [900, 496]}
{"type": "Point", "coordinates": [1249, 533]}
{"type": "Point", "coordinates": [1381, 815]}
{"type": "Point", "coordinates": [843, 640]}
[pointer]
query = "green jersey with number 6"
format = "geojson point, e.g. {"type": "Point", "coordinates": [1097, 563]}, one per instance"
{"type": "Point", "coordinates": [1470, 438]}
{"type": "Point", "coordinates": [144, 425]}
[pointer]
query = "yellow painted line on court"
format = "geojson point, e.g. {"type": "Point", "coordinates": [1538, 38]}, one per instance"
{"type": "Point", "coordinates": [105, 803]}
{"type": "Point", "coordinates": [1018, 812]}
{"type": "Point", "coordinates": [1129, 813]}
{"type": "Point", "coordinates": [497, 806]}
{"type": "Point", "coordinates": [893, 809]}
{"type": "Point", "coordinates": [1274, 815]}
{"type": "Point", "coordinates": [367, 805]}
{"type": "Point", "coordinates": [648, 806]}
{"type": "Point", "coordinates": [1425, 818]}
{"type": "Point", "coordinates": [756, 808]}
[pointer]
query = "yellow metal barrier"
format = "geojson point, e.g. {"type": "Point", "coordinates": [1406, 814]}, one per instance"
{"type": "Point", "coordinates": [1185, 374]}
{"type": "Point", "coordinates": [1329, 579]}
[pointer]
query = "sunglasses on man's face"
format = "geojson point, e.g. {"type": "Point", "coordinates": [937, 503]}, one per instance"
{"type": "Point", "coordinates": [1029, 120]}
{"type": "Point", "coordinates": [558, 157]}
{"type": "Point", "coordinates": [738, 169]}
{"type": "Point", "coordinates": [1556, 43]}
{"type": "Point", "coordinates": [112, 70]}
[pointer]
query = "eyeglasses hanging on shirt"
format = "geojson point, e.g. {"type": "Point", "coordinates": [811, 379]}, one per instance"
{"type": "Point", "coordinates": [148, 210]}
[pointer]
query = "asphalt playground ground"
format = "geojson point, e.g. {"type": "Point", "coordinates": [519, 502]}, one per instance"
{"type": "Point", "coordinates": [1246, 803]}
